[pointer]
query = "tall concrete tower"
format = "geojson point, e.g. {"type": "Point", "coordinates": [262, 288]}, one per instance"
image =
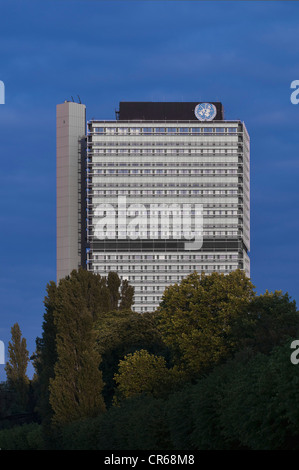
{"type": "Point", "coordinates": [70, 138]}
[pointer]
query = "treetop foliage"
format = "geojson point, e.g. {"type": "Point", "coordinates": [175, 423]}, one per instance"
{"type": "Point", "coordinates": [196, 316]}
{"type": "Point", "coordinates": [209, 369]}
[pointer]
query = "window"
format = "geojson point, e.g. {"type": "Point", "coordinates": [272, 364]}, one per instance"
{"type": "Point", "coordinates": [135, 130]}
{"type": "Point", "coordinates": [111, 130]}
{"type": "Point", "coordinates": [123, 130]}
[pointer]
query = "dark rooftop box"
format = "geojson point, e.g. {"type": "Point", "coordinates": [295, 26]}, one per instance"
{"type": "Point", "coordinates": [163, 111]}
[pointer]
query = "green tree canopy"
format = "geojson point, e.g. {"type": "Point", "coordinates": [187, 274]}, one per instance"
{"type": "Point", "coordinates": [248, 404]}
{"type": "Point", "coordinates": [195, 317]}
{"type": "Point", "coordinates": [143, 372]}
{"type": "Point", "coordinates": [122, 332]}
{"type": "Point", "coordinates": [271, 319]}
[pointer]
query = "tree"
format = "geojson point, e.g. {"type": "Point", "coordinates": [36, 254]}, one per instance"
{"type": "Point", "coordinates": [249, 404]}
{"type": "Point", "coordinates": [76, 389]}
{"type": "Point", "coordinates": [143, 372]}
{"type": "Point", "coordinates": [95, 294]}
{"type": "Point", "coordinates": [91, 287]}
{"type": "Point", "coordinates": [113, 283]}
{"type": "Point", "coordinates": [16, 367]}
{"type": "Point", "coordinates": [195, 317]}
{"type": "Point", "coordinates": [271, 319]}
{"type": "Point", "coordinates": [126, 295]}
{"type": "Point", "coordinates": [122, 332]}
{"type": "Point", "coordinates": [45, 358]}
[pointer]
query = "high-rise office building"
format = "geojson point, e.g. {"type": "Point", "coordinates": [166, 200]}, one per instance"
{"type": "Point", "coordinates": [161, 191]}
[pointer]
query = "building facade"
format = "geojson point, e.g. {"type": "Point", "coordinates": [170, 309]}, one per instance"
{"type": "Point", "coordinates": [144, 180]}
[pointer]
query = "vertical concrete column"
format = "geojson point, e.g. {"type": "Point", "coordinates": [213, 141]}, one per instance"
{"type": "Point", "coordinates": [70, 128]}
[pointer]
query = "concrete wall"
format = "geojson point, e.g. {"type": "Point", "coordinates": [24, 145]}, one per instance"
{"type": "Point", "coordinates": [70, 128]}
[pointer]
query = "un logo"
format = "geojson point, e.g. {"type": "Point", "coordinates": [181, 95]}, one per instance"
{"type": "Point", "coordinates": [205, 112]}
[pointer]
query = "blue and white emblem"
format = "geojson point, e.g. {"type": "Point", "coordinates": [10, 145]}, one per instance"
{"type": "Point", "coordinates": [205, 111]}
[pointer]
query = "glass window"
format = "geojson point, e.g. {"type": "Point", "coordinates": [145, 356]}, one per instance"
{"type": "Point", "coordinates": [135, 130]}
{"type": "Point", "coordinates": [99, 130]}
{"type": "Point", "coordinates": [123, 130]}
{"type": "Point", "coordinates": [111, 130]}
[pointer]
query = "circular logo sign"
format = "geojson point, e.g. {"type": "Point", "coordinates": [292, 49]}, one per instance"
{"type": "Point", "coordinates": [205, 111]}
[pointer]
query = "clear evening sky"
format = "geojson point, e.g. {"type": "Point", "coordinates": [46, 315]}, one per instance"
{"type": "Point", "coordinates": [242, 53]}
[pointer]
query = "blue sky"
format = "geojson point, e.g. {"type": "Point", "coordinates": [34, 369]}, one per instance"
{"type": "Point", "coordinates": [242, 53]}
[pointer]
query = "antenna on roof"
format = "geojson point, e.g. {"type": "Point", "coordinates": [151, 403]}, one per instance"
{"type": "Point", "coordinates": [72, 99]}
{"type": "Point", "coordinates": [79, 99]}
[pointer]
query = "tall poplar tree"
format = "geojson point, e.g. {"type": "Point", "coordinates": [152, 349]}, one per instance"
{"type": "Point", "coordinates": [113, 283]}
{"type": "Point", "coordinates": [76, 389]}
{"type": "Point", "coordinates": [65, 352]}
{"type": "Point", "coordinates": [126, 295]}
{"type": "Point", "coordinates": [44, 360]}
{"type": "Point", "coordinates": [16, 368]}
